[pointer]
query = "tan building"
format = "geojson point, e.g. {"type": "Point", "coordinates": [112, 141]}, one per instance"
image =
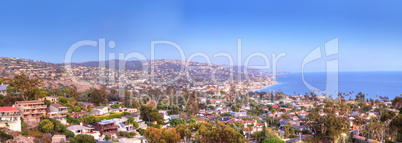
{"type": "Point", "coordinates": [10, 118]}
{"type": "Point", "coordinates": [58, 112]}
{"type": "Point", "coordinates": [51, 98]}
{"type": "Point", "coordinates": [31, 110]}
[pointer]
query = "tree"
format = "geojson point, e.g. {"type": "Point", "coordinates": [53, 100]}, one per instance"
{"type": "Point", "coordinates": [130, 120]}
{"type": "Point", "coordinates": [359, 122]}
{"type": "Point", "coordinates": [176, 121]}
{"type": "Point", "coordinates": [22, 85]}
{"type": "Point", "coordinates": [264, 134]}
{"type": "Point", "coordinates": [154, 135]}
{"type": "Point", "coordinates": [285, 116]}
{"type": "Point", "coordinates": [98, 96]}
{"type": "Point", "coordinates": [69, 133]}
{"type": "Point", "coordinates": [273, 140]}
{"type": "Point", "coordinates": [150, 114]}
{"type": "Point", "coordinates": [185, 132]}
{"type": "Point", "coordinates": [83, 138]}
{"type": "Point", "coordinates": [106, 137]}
{"type": "Point", "coordinates": [90, 119]}
{"type": "Point", "coordinates": [217, 133]}
{"type": "Point", "coordinates": [192, 121]}
{"type": "Point", "coordinates": [46, 126]}
{"type": "Point", "coordinates": [396, 125]}
{"type": "Point", "coordinates": [73, 93]}
{"type": "Point", "coordinates": [76, 109]}
{"type": "Point", "coordinates": [287, 128]}
{"type": "Point", "coordinates": [136, 125]}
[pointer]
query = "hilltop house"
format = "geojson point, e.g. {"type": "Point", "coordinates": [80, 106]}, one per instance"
{"type": "Point", "coordinates": [79, 129]}
{"type": "Point", "coordinates": [51, 98]}
{"type": "Point", "coordinates": [121, 123]}
{"type": "Point", "coordinates": [100, 110]}
{"type": "Point", "coordinates": [58, 112]}
{"type": "Point", "coordinates": [106, 126]}
{"type": "Point", "coordinates": [31, 110]}
{"type": "Point", "coordinates": [87, 105]}
{"type": "Point", "coordinates": [10, 118]}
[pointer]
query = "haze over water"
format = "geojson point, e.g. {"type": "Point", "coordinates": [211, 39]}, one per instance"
{"type": "Point", "coordinates": [371, 83]}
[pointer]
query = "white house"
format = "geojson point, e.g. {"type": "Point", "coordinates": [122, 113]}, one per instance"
{"type": "Point", "coordinates": [10, 118]}
{"type": "Point", "coordinates": [79, 129]}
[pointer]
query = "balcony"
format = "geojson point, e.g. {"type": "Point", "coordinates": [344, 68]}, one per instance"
{"type": "Point", "coordinates": [10, 115]}
{"type": "Point", "coordinates": [7, 121]}
{"type": "Point", "coordinates": [34, 107]}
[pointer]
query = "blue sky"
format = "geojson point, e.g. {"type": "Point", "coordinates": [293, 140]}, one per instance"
{"type": "Point", "coordinates": [369, 32]}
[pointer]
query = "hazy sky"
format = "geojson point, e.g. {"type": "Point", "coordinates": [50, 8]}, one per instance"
{"type": "Point", "coordinates": [369, 32]}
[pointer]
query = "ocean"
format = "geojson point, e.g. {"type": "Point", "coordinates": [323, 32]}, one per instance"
{"type": "Point", "coordinates": [373, 84]}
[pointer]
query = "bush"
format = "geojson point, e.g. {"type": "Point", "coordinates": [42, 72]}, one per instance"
{"type": "Point", "coordinates": [46, 126]}
{"type": "Point", "coordinates": [273, 140]}
{"type": "Point", "coordinates": [82, 138]}
{"type": "Point", "coordinates": [5, 136]}
{"type": "Point", "coordinates": [141, 131]}
{"type": "Point", "coordinates": [69, 133]}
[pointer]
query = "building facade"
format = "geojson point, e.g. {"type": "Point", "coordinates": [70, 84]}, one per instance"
{"type": "Point", "coordinates": [31, 110]}
{"type": "Point", "coordinates": [58, 112]}
{"type": "Point", "coordinates": [10, 117]}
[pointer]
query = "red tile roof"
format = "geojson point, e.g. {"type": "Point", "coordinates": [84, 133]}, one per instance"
{"type": "Point", "coordinates": [3, 109]}
{"type": "Point", "coordinates": [249, 121]}
{"type": "Point", "coordinates": [57, 105]}
{"type": "Point", "coordinates": [29, 102]}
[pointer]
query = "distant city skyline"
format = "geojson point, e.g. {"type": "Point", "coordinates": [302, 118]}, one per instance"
{"type": "Point", "coordinates": [369, 32]}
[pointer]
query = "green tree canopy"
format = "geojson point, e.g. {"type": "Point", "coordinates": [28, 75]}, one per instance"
{"type": "Point", "coordinates": [46, 126]}
{"type": "Point", "coordinates": [83, 138]}
{"type": "Point", "coordinates": [176, 121]}
{"type": "Point", "coordinates": [150, 114]}
{"type": "Point", "coordinates": [273, 140]}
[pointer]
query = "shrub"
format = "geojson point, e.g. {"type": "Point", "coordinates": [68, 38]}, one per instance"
{"type": "Point", "coordinates": [46, 126]}
{"type": "Point", "coordinates": [273, 140]}
{"type": "Point", "coordinates": [82, 138]}
{"type": "Point", "coordinates": [69, 133]}
{"type": "Point", "coordinates": [5, 136]}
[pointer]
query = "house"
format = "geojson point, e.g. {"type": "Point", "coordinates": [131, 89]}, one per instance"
{"type": "Point", "coordinates": [142, 124]}
{"type": "Point", "coordinates": [165, 116]}
{"type": "Point", "coordinates": [58, 112]}
{"type": "Point", "coordinates": [121, 110]}
{"type": "Point", "coordinates": [106, 126]}
{"type": "Point", "coordinates": [59, 139]}
{"type": "Point", "coordinates": [77, 115]}
{"type": "Point", "coordinates": [283, 122]}
{"type": "Point", "coordinates": [51, 98]}
{"type": "Point", "coordinates": [102, 110]}
{"type": "Point", "coordinates": [31, 110]}
{"type": "Point", "coordinates": [3, 89]}
{"type": "Point", "coordinates": [249, 122]}
{"type": "Point", "coordinates": [10, 118]}
{"type": "Point", "coordinates": [121, 123]}
{"type": "Point", "coordinates": [135, 116]}
{"type": "Point", "coordinates": [87, 105]}
{"type": "Point", "coordinates": [79, 129]}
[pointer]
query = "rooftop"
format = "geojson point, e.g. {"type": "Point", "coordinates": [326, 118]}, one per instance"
{"type": "Point", "coordinates": [29, 102]}
{"type": "Point", "coordinates": [3, 109]}
{"type": "Point", "coordinates": [57, 105]}
{"type": "Point", "coordinates": [78, 127]}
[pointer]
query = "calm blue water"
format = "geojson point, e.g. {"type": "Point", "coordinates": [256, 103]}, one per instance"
{"type": "Point", "coordinates": [371, 83]}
